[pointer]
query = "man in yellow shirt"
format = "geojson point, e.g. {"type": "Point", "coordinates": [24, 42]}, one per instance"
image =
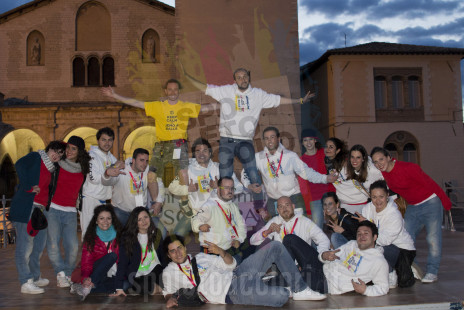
{"type": "Point", "coordinates": [171, 120]}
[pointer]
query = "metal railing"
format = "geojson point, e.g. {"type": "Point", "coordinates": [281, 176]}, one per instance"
{"type": "Point", "coordinates": [8, 234]}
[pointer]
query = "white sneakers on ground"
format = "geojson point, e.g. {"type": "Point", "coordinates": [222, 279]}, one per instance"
{"type": "Point", "coordinates": [30, 288]}
{"type": "Point", "coordinates": [393, 279]}
{"type": "Point", "coordinates": [308, 294]}
{"type": "Point", "coordinates": [430, 278]}
{"type": "Point", "coordinates": [62, 280]}
{"type": "Point", "coordinates": [80, 290]}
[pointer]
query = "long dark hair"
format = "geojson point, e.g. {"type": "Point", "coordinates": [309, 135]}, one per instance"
{"type": "Point", "coordinates": [340, 157]}
{"type": "Point", "coordinates": [83, 158]}
{"type": "Point", "coordinates": [351, 173]}
{"type": "Point", "coordinates": [131, 230]}
{"type": "Point", "coordinates": [91, 233]}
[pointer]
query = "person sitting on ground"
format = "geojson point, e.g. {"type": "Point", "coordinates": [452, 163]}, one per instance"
{"type": "Point", "coordinates": [217, 279]}
{"type": "Point", "coordinates": [398, 246]}
{"type": "Point", "coordinates": [296, 232]}
{"type": "Point", "coordinates": [353, 265]}
{"type": "Point", "coordinates": [141, 259]}
{"type": "Point", "coordinates": [100, 252]}
{"type": "Point", "coordinates": [340, 221]}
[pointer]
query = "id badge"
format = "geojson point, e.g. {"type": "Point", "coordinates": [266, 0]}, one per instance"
{"type": "Point", "coordinates": [176, 154]}
{"type": "Point", "coordinates": [139, 200]}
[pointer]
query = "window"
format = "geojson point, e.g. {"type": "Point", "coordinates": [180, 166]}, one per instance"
{"type": "Point", "coordinates": [409, 153]}
{"type": "Point", "coordinates": [93, 27]}
{"type": "Point", "coordinates": [78, 72]}
{"type": "Point", "coordinates": [397, 92]}
{"type": "Point", "coordinates": [93, 72]}
{"type": "Point", "coordinates": [392, 149]}
{"type": "Point", "coordinates": [380, 91]}
{"type": "Point", "coordinates": [413, 92]}
{"type": "Point", "coordinates": [108, 71]}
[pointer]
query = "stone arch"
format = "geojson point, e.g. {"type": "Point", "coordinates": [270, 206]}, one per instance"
{"type": "Point", "coordinates": [78, 69]}
{"type": "Point", "coordinates": [406, 145]}
{"type": "Point", "coordinates": [144, 137]}
{"type": "Point", "coordinates": [87, 133]}
{"type": "Point", "coordinates": [35, 46]}
{"type": "Point", "coordinates": [150, 46]}
{"type": "Point", "coordinates": [93, 27]}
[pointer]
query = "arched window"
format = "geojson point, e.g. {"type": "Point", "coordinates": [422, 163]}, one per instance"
{"type": "Point", "coordinates": [108, 71]}
{"type": "Point", "coordinates": [78, 72]}
{"type": "Point", "coordinates": [150, 46]}
{"type": "Point", "coordinates": [380, 92]}
{"type": "Point", "coordinates": [93, 27]}
{"type": "Point", "coordinates": [35, 49]}
{"type": "Point", "coordinates": [410, 153]}
{"type": "Point", "coordinates": [397, 92]}
{"type": "Point", "coordinates": [93, 72]}
{"type": "Point", "coordinates": [414, 91]}
{"type": "Point", "coordinates": [392, 149]}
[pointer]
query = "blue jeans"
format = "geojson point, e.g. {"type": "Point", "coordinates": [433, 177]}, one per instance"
{"type": "Point", "coordinates": [317, 214]}
{"type": "Point", "coordinates": [62, 226]}
{"type": "Point", "coordinates": [429, 215]}
{"type": "Point", "coordinates": [247, 288]}
{"type": "Point", "coordinates": [28, 252]}
{"type": "Point", "coordinates": [391, 253]}
{"type": "Point", "coordinates": [245, 152]}
{"type": "Point", "coordinates": [337, 240]}
{"type": "Point", "coordinates": [122, 215]}
{"type": "Point", "coordinates": [297, 200]}
{"type": "Point", "coordinates": [102, 283]}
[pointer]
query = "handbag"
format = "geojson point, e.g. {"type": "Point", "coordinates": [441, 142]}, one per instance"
{"type": "Point", "coordinates": [189, 297]}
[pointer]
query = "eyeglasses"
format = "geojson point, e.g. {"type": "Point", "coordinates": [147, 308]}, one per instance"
{"type": "Point", "coordinates": [227, 188]}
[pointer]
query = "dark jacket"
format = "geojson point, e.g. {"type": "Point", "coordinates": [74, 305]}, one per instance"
{"type": "Point", "coordinates": [349, 224]}
{"type": "Point", "coordinates": [28, 171]}
{"type": "Point", "coordinates": [128, 266]}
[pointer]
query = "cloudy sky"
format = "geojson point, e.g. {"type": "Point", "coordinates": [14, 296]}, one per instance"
{"type": "Point", "coordinates": [323, 24]}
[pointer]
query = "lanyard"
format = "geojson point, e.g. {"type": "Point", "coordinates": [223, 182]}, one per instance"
{"type": "Point", "coordinates": [276, 172]}
{"type": "Point", "coordinates": [228, 218]}
{"type": "Point", "coordinates": [190, 277]}
{"type": "Point", "coordinates": [284, 232]}
{"type": "Point", "coordinates": [145, 256]}
{"type": "Point", "coordinates": [135, 182]}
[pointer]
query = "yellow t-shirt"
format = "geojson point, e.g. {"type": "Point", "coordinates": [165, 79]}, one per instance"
{"type": "Point", "coordinates": [171, 120]}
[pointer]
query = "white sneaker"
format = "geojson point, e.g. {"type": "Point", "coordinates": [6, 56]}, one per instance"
{"type": "Point", "coordinates": [308, 294]}
{"type": "Point", "coordinates": [62, 280]}
{"type": "Point", "coordinates": [30, 288]}
{"type": "Point", "coordinates": [393, 279]}
{"type": "Point", "coordinates": [41, 282]}
{"type": "Point", "coordinates": [429, 278]}
{"type": "Point", "coordinates": [417, 271]}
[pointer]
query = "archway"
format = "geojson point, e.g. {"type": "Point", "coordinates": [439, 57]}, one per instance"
{"type": "Point", "coordinates": [144, 137]}
{"type": "Point", "coordinates": [403, 146]}
{"type": "Point", "coordinates": [87, 133]}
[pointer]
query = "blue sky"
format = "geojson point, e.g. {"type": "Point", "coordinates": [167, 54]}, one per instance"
{"type": "Point", "coordinates": [323, 24]}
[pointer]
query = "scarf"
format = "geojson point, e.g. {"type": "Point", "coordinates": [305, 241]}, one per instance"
{"type": "Point", "coordinates": [46, 160]}
{"type": "Point", "coordinates": [106, 235]}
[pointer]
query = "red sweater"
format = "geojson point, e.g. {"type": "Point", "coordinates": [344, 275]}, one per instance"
{"type": "Point", "coordinates": [89, 258]}
{"type": "Point", "coordinates": [67, 188]}
{"type": "Point", "coordinates": [313, 191]}
{"type": "Point", "coordinates": [44, 181]}
{"type": "Point", "coordinates": [409, 181]}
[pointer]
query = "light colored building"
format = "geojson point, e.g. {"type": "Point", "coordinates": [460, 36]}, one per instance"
{"type": "Point", "coordinates": [404, 97]}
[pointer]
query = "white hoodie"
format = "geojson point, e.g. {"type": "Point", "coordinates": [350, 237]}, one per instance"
{"type": "Point", "coordinates": [304, 228]}
{"type": "Point", "coordinates": [390, 224]}
{"type": "Point", "coordinates": [286, 182]}
{"type": "Point", "coordinates": [367, 265]}
{"type": "Point", "coordinates": [124, 193]}
{"type": "Point", "coordinates": [93, 186]}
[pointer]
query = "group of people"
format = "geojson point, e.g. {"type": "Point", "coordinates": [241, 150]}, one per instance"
{"type": "Point", "coordinates": [287, 254]}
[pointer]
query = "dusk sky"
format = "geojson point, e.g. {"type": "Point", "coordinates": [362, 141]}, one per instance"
{"type": "Point", "coordinates": [323, 24]}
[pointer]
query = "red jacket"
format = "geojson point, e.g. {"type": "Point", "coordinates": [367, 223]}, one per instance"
{"type": "Point", "coordinates": [409, 181]}
{"type": "Point", "coordinates": [99, 250]}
